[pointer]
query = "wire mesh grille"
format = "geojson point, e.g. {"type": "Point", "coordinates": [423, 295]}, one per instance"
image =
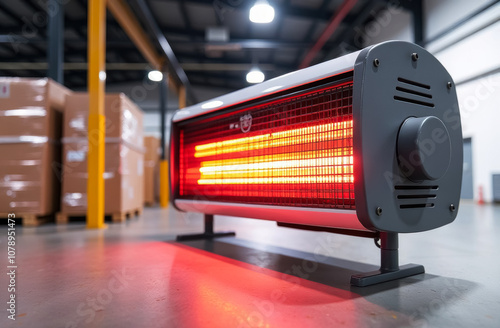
{"type": "Point", "coordinates": [291, 152]}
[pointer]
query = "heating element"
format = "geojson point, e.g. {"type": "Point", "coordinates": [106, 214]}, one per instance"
{"type": "Point", "coordinates": [296, 151]}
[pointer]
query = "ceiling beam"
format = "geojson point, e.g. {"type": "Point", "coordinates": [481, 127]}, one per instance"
{"type": "Point", "coordinates": [190, 32]}
{"type": "Point", "coordinates": [147, 18]}
{"type": "Point", "coordinates": [11, 14]}
{"type": "Point", "coordinates": [185, 15]}
{"type": "Point", "coordinates": [285, 9]}
{"type": "Point", "coordinates": [217, 67]}
{"type": "Point", "coordinates": [233, 45]}
{"type": "Point", "coordinates": [189, 61]}
{"type": "Point", "coordinates": [191, 58]}
{"type": "Point", "coordinates": [240, 44]}
{"type": "Point", "coordinates": [126, 18]}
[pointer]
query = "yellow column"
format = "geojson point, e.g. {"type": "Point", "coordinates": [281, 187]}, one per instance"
{"type": "Point", "coordinates": [182, 96]}
{"type": "Point", "coordinates": [164, 187]}
{"type": "Point", "coordinates": [96, 129]}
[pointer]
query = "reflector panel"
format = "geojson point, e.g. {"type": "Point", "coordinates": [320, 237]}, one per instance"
{"type": "Point", "coordinates": [295, 151]}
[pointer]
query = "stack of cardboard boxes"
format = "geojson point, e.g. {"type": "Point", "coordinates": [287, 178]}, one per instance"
{"type": "Point", "coordinates": [124, 157]}
{"type": "Point", "coordinates": [31, 112]}
{"type": "Point", "coordinates": [44, 143]}
{"type": "Point", "coordinates": [151, 170]}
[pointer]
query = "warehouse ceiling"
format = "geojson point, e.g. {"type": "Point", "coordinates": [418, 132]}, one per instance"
{"type": "Point", "coordinates": [214, 40]}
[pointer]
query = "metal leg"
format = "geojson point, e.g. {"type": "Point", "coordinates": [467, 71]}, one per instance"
{"type": "Point", "coordinates": [209, 231]}
{"type": "Point", "coordinates": [389, 264]}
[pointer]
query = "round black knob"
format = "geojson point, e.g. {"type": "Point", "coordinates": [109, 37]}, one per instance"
{"type": "Point", "coordinates": [424, 148]}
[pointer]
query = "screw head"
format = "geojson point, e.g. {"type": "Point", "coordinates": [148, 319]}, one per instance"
{"type": "Point", "coordinates": [449, 85]}
{"type": "Point", "coordinates": [378, 211]}
{"type": "Point", "coordinates": [414, 56]}
{"type": "Point", "coordinates": [376, 62]}
{"type": "Point", "coordinates": [452, 208]}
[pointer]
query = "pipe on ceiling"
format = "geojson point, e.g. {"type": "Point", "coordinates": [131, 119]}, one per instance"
{"type": "Point", "coordinates": [335, 21]}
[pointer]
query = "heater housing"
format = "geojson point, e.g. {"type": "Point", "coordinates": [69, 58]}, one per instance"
{"type": "Point", "coordinates": [368, 141]}
{"type": "Point", "coordinates": [368, 144]}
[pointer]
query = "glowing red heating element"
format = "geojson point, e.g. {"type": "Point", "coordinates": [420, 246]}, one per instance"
{"type": "Point", "coordinates": [295, 151]}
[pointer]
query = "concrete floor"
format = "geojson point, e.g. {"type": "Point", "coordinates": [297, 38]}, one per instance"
{"type": "Point", "coordinates": [135, 275]}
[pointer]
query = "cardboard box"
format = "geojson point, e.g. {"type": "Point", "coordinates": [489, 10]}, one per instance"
{"type": "Point", "coordinates": [124, 155]}
{"type": "Point", "coordinates": [29, 178]}
{"type": "Point", "coordinates": [123, 178]}
{"type": "Point", "coordinates": [123, 118]}
{"type": "Point", "coordinates": [30, 131]}
{"type": "Point", "coordinates": [31, 107]}
{"type": "Point", "coordinates": [151, 170]}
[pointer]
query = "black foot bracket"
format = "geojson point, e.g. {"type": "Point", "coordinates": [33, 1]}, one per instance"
{"type": "Point", "coordinates": [209, 231]}
{"type": "Point", "coordinates": [389, 267]}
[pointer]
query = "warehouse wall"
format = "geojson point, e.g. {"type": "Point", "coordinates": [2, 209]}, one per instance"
{"type": "Point", "coordinates": [470, 53]}
{"type": "Point", "coordinates": [393, 23]}
{"type": "Point", "coordinates": [440, 14]}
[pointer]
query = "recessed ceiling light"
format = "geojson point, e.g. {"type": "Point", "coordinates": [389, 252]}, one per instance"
{"type": "Point", "coordinates": [102, 75]}
{"type": "Point", "coordinates": [261, 12]}
{"type": "Point", "coordinates": [155, 76]}
{"type": "Point", "coordinates": [255, 76]}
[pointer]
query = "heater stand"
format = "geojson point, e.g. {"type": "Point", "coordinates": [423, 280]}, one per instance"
{"type": "Point", "coordinates": [389, 257]}
{"type": "Point", "coordinates": [209, 231]}
{"type": "Point", "coordinates": [389, 264]}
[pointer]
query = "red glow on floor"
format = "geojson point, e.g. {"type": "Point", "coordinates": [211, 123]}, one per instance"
{"type": "Point", "coordinates": [167, 284]}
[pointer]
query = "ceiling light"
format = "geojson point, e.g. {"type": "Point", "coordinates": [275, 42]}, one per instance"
{"type": "Point", "coordinates": [155, 76]}
{"type": "Point", "coordinates": [261, 12]}
{"type": "Point", "coordinates": [102, 75]}
{"type": "Point", "coordinates": [255, 76]}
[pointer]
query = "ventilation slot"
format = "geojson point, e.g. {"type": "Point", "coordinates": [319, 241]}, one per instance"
{"type": "Point", "coordinates": [414, 83]}
{"type": "Point", "coordinates": [413, 101]}
{"type": "Point", "coordinates": [416, 196]}
{"type": "Point", "coordinates": [413, 92]}
{"type": "Point", "coordinates": [406, 206]}
{"type": "Point", "coordinates": [416, 187]}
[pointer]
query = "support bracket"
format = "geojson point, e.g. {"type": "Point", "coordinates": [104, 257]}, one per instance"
{"type": "Point", "coordinates": [208, 233]}
{"type": "Point", "coordinates": [389, 264]}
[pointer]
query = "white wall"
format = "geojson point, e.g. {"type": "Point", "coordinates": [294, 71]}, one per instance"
{"type": "Point", "coordinates": [440, 14]}
{"type": "Point", "coordinates": [393, 23]}
{"type": "Point", "coordinates": [470, 51]}
{"type": "Point", "coordinates": [479, 102]}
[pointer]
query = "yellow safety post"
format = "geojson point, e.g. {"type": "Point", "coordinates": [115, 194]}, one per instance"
{"type": "Point", "coordinates": [96, 128]}
{"type": "Point", "coordinates": [164, 188]}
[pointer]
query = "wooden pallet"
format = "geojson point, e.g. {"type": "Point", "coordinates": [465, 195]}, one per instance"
{"type": "Point", "coordinates": [121, 217]}
{"type": "Point", "coordinates": [29, 219]}
{"type": "Point", "coordinates": [62, 218]}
